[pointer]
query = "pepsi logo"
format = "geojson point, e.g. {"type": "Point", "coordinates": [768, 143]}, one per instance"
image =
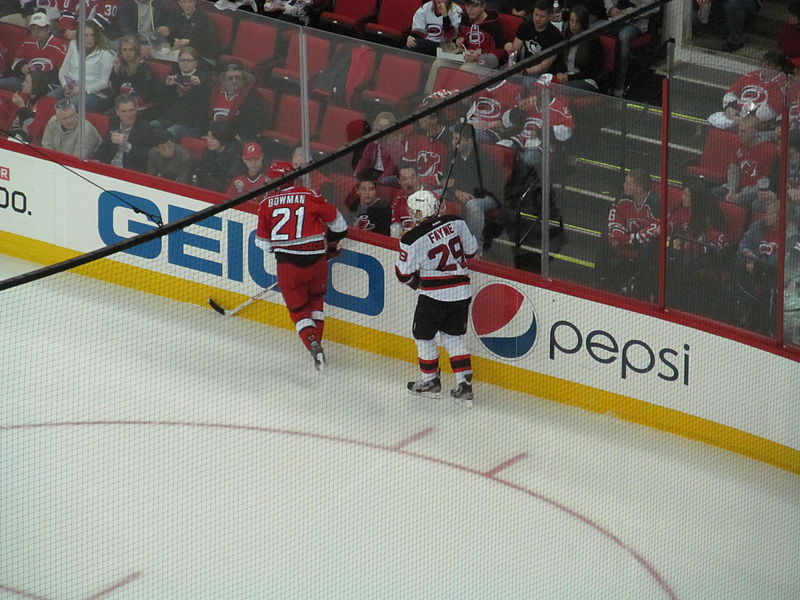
{"type": "Point", "coordinates": [504, 321]}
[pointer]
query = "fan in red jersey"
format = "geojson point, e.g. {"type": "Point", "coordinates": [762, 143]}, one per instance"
{"type": "Point", "coordinates": [255, 176]}
{"type": "Point", "coordinates": [302, 229]}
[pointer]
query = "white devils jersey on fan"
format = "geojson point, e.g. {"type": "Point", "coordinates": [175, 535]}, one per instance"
{"type": "Point", "coordinates": [437, 250]}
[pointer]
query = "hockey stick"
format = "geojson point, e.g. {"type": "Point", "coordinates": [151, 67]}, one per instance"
{"type": "Point", "coordinates": [232, 311]}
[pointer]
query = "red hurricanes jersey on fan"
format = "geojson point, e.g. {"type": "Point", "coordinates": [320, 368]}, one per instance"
{"type": "Point", "coordinates": [438, 249]}
{"type": "Point", "coordinates": [561, 122]}
{"type": "Point", "coordinates": [493, 102]}
{"type": "Point", "coordinates": [428, 157]}
{"type": "Point", "coordinates": [48, 58]}
{"type": "Point", "coordinates": [629, 224]}
{"type": "Point", "coordinates": [755, 162]}
{"type": "Point", "coordinates": [293, 220]}
{"type": "Point", "coordinates": [752, 88]}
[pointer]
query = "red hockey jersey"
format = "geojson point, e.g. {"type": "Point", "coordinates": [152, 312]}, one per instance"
{"type": "Point", "coordinates": [630, 224]}
{"type": "Point", "coordinates": [47, 58]}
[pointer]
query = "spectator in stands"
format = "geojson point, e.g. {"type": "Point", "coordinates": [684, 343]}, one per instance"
{"type": "Point", "coordinates": [436, 22]}
{"type": "Point", "coordinates": [98, 66]}
{"type": "Point", "coordinates": [62, 133]}
{"type": "Point", "coordinates": [595, 8]}
{"type": "Point", "coordinates": [222, 158]}
{"type": "Point", "coordinates": [254, 176]}
{"type": "Point", "coordinates": [789, 35]}
{"type": "Point", "coordinates": [300, 12]}
{"type": "Point", "coordinates": [758, 93]}
{"type": "Point", "coordinates": [147, 21]}
{"type": "Point", "coordinates": [131, 75]}
{"type": "Point", "coordinates": [192, 27]}
{"type": "Point", "coordinates": [531, 38]}
{"type": "Point", "coordinates": [371, 212]}
{"type": "Point", "coordinates": [187, 89]}
{"type": "Point", "coordinates": [129, 139]}
{"type": "Point", "coordinates": [317, 179]}
{"type": "Point", "coordinates": [169, 160]}
{"type": "Point", "coordinates": [235, 101]}
{"type": "Point", "coordinates": [616, 9]}
{"type": "Point", "coordinates": [481, 36]}
{"type": "Point", "coordinates": [427, 149]}
{"type": "Point", "coordinates": [40, 51]}
{"type": "Point", "coordinates": [104, 13]}
{"type": "Point", "coordinates": [632, 234]}
{"type": "Point", "coordinates": [466, 183]}
{"type": "Point", "coordinates": [756, 258]}
{"type": "Point", "coordinates": [579, 66]}
{"type": "Point", "coordinates": [409, 181]}
{"type": "Point", "coordinates": [486, 112]}
{"type": "Point", "coordinates": [737, 14]}
{"type": "Point", "coordinates": [25, 106]}
{"type": "Point", "coordinates": [754, 159]}
{"type": "Point", "coordinates": [380, 159]}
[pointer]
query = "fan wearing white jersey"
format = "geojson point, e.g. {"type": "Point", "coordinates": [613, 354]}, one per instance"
{"type": "Point", "coordinates": [433, 261]}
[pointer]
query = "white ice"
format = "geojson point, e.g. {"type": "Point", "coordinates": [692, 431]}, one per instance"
{"type": "Point", "coordinates": [182, 455]}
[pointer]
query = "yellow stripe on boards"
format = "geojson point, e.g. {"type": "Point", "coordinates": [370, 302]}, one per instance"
{"type": "Point", "coordinates": [403, 348]}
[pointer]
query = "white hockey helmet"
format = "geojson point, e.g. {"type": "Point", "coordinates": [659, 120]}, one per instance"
{"type": "Point", "coordinates": [424, 202]}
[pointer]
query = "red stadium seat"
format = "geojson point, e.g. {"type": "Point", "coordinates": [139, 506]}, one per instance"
{"type": "Point", "coordinates": [340, 126]}
{"type": "Point", "coordinates": [318, 50]}
{"type": "Point", "coordinates": [717, 154]}
{"type": "Point", "coordinates": [348, 16]}
{"type": "Point", "coordinates": [160, 68]}
{"type": "Point", "coordinates": [223, 25]}
{"type": "Point", "coordinates": [397, 79]}
{"type": "Point", "coordinates": [195, 146]}
{"type": "Point", "coordinates": [449, 78]}
{"type": "Point", "coordinates": [12, 36]}
{"type": "Point", "coordinates": [736, 220]}
{"type": "Point", "coordinates": [510, 24]}
{"type": "Point", "coordinates": [45, 108]}
{"type": "Point", "coordinates": [393, 22]}
{"type": "Point", "coordinates": [100, 122]}
{"type": "Point", "coordinates": [267, 99]}
{"type": "Point", "coordinates": [288, 124]}
{"type": "Point", "coordinates": [8, 110]}
{"type": "Point", "coordinates": [253, 45]}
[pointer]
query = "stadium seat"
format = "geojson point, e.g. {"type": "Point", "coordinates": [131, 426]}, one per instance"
{"type": "Point", "coordinates": [253, 46]}
{"type": "Point", "coordinates": [223, 25]}
{"type": "Point", "coordinates": [288, 125]}
{"type": "Point", "coordinates": [318, 50]}
{"type": "Point", "coordinates": [736, 220]}
{"type": "Point", "coordinates": [348, 16]}
{"type": "Point", "coordinates": [397, 79]}
{"type": "Point", "coordinates": [717, 153]}
{"type": "Point", "coordinates": [100, 122]}
{"type": "Point", "coordinates": [339, 126]}
{"type": "Point", "coordinates": [267, 99]}
{"type": "Point", "coordinates": [393, 22]}
{"type": "Point", "coordinates": [510, 24]}
{"type": "Point", "coordinates": [160, 68]}
{"type": "Point", "coordinates": [449, 78]}
{"type": "Point", "coordinates": [45, 108]}
{"type": "Point", "coordinates": [195, 146]}
{"type": "Point", "coordinates": [12, 36]}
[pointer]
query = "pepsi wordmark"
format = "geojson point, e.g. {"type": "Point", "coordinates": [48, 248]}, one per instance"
{"type": "Point", "coordinates": [226, 252]}
{"type": "Point", "coordinates": [635, 356]}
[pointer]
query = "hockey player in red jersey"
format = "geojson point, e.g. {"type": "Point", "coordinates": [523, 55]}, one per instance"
{"type": "Point", "coordinates": [302, 230]}
{"type": "Point", "coordinates": [433, 260]}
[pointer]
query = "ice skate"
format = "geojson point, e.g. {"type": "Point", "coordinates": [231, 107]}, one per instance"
{"type": "Point", "coordinates": [463, 393]}
{"type": "Point", "coordinates": [318, 355]}
{"type": "Point", "coordinates": [429, 389]}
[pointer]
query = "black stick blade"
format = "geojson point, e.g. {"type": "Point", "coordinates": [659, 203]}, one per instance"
{"type": "Point", "coordinates": [216, 306]}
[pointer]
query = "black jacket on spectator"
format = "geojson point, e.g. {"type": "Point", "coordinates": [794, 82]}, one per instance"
{"type": "Point", "coordinates": [248, 120]}
{"type": "Point", "coordinates": [141, 138]}
{"type": "Point", "coordinates": [588, 60]}
{"type": "Point", "coordinates": [128, 16]}
{"type": "Point", "coordinates": [216, 169]}
{"type": "Point", "coordinates": [198, 29]}
{"type": "Point", "coordinates": [144, 85]}
{"type": "Point", "coordinates": [190, 107]}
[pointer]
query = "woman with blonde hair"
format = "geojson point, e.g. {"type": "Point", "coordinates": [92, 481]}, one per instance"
{"type": "Point", "coordinates": [381, 159]}
{"type": "Point", "coordinates": [130, 74]}
{"type": "Point", "coordinates": [99, 62]}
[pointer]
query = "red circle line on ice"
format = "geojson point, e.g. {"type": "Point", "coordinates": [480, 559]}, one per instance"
{"type": "Point", "coordinates": [398, 447]}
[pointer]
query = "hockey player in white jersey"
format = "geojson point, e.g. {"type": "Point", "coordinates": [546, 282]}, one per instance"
{"type": "Point", "coordinates": [433, 260]}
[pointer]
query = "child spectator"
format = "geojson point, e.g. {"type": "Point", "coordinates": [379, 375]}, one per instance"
{"type": "Point", "coordinates": [187, 89]}
{"type": "Point", "coordinates": [372, 213]}
{"type": "Point", "coordinates": [169, 160]}
{"type": "Point", "coordinates": [222, 158]}
{"type": "Point", "coordinates": [99, 62]}
{"type": "Point", "coordinates": [436, 22]}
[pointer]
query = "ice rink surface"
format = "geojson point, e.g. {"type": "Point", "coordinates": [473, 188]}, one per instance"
{"type": "Point", "coordinates": [151, 449]}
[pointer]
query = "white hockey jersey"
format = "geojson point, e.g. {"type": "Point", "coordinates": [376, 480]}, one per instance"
{"type": "Point", "coordinates": [433, 256]}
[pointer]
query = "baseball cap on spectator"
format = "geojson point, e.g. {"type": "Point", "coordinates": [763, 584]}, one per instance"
{"type": "Point", "coordinates": [39, 20]}
{"type": "Point", "coordinates": [251, 150]}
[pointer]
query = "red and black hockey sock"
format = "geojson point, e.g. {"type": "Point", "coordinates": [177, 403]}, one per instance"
{"type": "Point", "coordinates": [307, 332]}
{"type": "Point", "coordinates": [462, 367]}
